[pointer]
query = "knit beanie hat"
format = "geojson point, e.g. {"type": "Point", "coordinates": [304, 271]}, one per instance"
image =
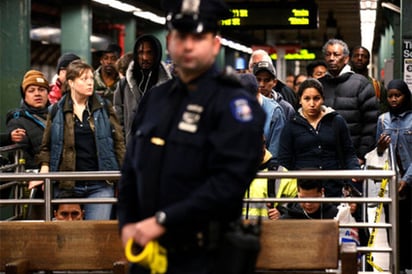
{"type": "Point", "coordinates": [34, 77]}
{"type": "Point", "coordinates": [65, 60]}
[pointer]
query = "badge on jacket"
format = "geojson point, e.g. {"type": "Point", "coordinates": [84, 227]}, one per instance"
{"type": "Point", "coordinates": [190, 118]}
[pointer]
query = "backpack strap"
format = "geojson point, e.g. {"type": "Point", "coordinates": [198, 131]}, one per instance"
{"type": "Point", "coordinates": [14, 114]}
{"type": "Point", "coordinates": [376, 87]}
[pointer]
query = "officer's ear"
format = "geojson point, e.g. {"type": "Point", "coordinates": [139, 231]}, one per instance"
{"type": "Point", "coordinates": [216, 45]}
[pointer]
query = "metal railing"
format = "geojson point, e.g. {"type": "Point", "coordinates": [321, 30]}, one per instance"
{"type": "Point", "coordinates": [392, 200]}
{"type": "Point", "coordinates": [15, 167]}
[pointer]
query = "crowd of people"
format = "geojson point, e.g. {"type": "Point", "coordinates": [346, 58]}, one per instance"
{"type": "Point", "coordinates": [189, 142]}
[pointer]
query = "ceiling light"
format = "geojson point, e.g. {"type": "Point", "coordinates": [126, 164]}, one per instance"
{"type": "Point", "coordinates": [147, 15]}
{"type": "Point", "coordinates": [391, 7]}
{"type": "Point", "coordinates": [368, 21]}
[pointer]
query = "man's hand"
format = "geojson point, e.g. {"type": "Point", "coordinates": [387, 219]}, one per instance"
{"type": "Point", "coordinates": [383, 143]}
{"type": "Point", "coordinates": [273, 213]}
{"type": "Point", "coordinates": [17, 135]}
{"type": "Point", "coordinates": [142, 232]}
{"type": "Point", "coordinates": [401, 186]}
{"type": "Point", "coordinates": [33, 184]}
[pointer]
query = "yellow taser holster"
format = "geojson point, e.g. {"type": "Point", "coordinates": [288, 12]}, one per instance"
{"type": "Point", "coordinates": [153, 256]}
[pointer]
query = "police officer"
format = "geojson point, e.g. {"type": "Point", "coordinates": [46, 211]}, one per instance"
{"type": "Point", "coordinates": [197, 146]}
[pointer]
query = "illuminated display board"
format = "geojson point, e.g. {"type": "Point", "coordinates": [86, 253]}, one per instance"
{"type": "Point", "coordinates": [262, 15]}
{"type": "Point", "coordinates": [303, 54]}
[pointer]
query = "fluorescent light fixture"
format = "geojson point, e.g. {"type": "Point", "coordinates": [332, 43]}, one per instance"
{"type": "Point", "coordinates": [368, 4]}
{"type": "Point", "coordinates": [150, 16]}
{"type": "Point", "coordinates": [235, 46]}
{"type": "Point", "coordinates": [43, 32]}
{"type": "Point", "coordinates": [147, 15]}
{"type": "Point", "coordinates": [368, 21]}
{"type": "Point", "coordinates": [51, 35]}
{"type": "Point", "coordinates": [391, 7]}
{"type": "Point", "coordinates": [97, 39]}
{"type": "Point", "coordinates": [118, 5]}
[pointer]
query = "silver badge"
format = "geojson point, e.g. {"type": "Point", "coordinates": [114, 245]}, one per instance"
{"type": "Point", "coordinates": [190, 118]}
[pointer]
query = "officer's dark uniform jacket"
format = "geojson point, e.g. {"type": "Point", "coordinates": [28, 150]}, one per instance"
{"type": "Point", "coordinates": [210, 157]}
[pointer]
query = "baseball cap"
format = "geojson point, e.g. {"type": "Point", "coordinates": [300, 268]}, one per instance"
{"type": "Point", "coordinates": [264, 66]}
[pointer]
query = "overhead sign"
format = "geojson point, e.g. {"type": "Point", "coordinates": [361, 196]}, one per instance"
{"type": "Point", "coordinates": [279, 15]}
{"type": "Point", "coordinates": [407, 62]}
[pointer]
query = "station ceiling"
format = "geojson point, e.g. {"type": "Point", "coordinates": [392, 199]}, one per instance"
{"type": "Point", "coordinates": [344, 12]}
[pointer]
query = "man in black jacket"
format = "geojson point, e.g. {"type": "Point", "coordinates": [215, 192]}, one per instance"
{"type": "Point", "coordinates": [351, 95]}
{"type": "Point", "coordinates": [308, 210]}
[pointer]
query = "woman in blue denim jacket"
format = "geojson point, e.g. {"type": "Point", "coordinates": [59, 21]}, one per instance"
{"type": "Point", "coordinates": [395, 127]}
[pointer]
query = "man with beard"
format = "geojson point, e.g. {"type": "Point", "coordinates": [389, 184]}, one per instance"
{"type": "Point", "coordinates": [144, 71]}
{"type": "Point", "coordinates": [359, 62]}
{"type": "Point", "coordinates": [106, 75]}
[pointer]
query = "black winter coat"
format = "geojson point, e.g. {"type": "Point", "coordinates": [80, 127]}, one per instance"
{"type": "Point", "coordinates": [295, 211]}
{"type": "Point", "coordinates": [353, 97]}
{"type": "Point", "coordinates": [33, 121]}
{"type": "Point", "coordinates": [328, 147]}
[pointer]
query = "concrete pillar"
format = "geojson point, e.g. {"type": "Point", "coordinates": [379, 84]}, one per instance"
{"type": "Point", "coordinates": [130, 37]}
{"type": "Point", "coordinates": [14, 52]}
{"type": "Point", "coordinates": [76, 28]}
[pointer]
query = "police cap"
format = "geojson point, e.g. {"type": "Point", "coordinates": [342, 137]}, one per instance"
{"type": "Point", "coordinates": [195, 16]}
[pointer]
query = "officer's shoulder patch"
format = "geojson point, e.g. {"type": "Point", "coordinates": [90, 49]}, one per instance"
{"type": "Point", "coordinates": [241, 109]}
{"type": "Point", "coordinates": [229, 76]}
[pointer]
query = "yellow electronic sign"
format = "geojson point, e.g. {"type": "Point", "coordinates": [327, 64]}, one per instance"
{"type": "Point", "coordinates": [303, 54]}
{"type": "Point", "coordinates": [297, 15]}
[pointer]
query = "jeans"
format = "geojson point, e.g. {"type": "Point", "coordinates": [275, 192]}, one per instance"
{"type": "Point", "coordinates": [90, 189]}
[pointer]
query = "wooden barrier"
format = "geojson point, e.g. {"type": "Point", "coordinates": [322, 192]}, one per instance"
{"type": "Point", "coordinates": [48, 246]}
{"type": "Point", "coordinates": [304, 246]}
{"type": "Point", "coordinates": [287, 246]}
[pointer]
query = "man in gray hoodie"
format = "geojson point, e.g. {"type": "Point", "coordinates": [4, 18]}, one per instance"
{"type": "Point", "coordinates": [145, 71]}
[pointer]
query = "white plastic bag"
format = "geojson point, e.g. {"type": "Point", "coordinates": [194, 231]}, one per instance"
{"type": "Point", "coordinates": [346, 234]}
{"type": "Point", "coordinates": [374, 161]}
